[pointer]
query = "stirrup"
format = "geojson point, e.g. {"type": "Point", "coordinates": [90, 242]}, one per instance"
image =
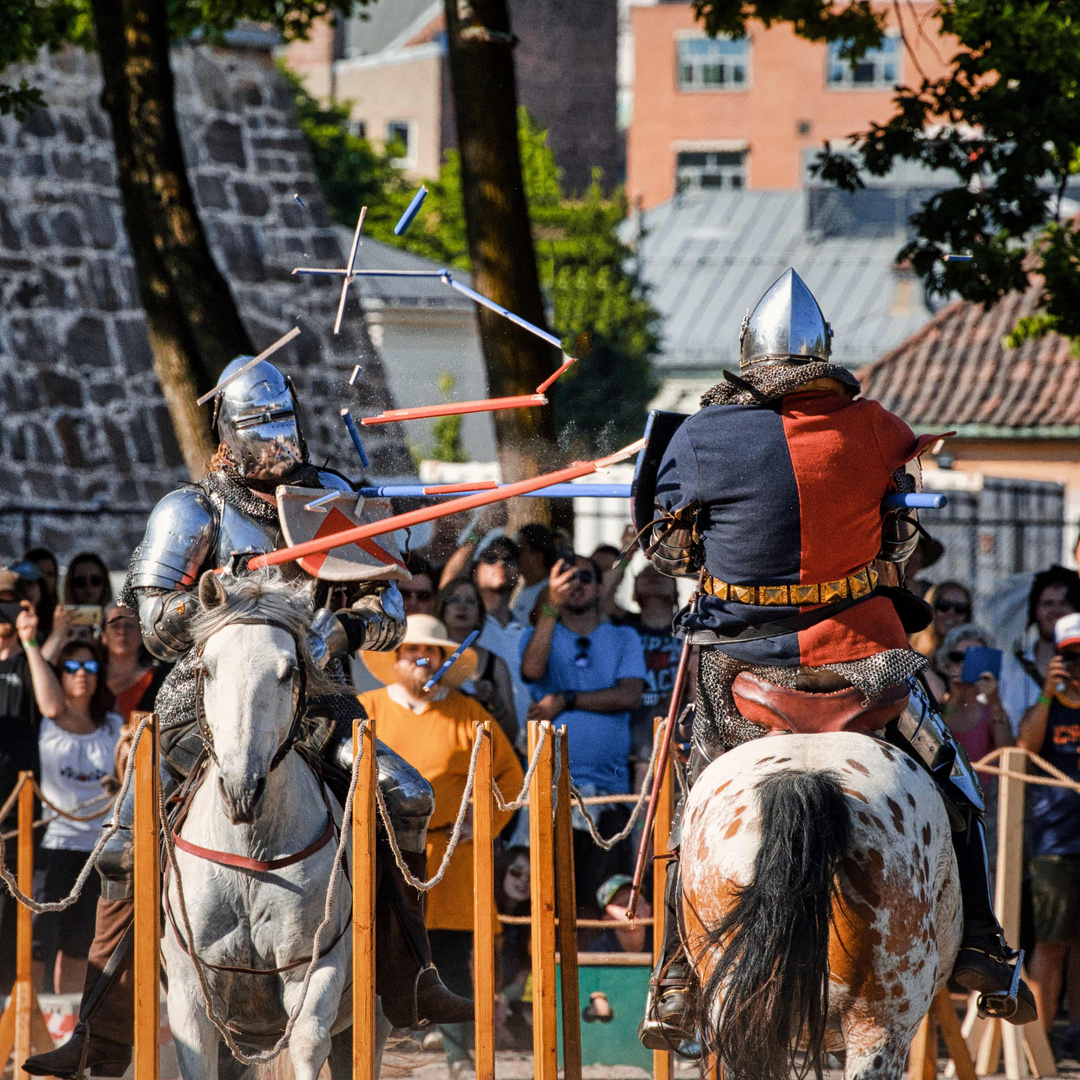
{"type": "Point", "coordinates": [1003, 1005]}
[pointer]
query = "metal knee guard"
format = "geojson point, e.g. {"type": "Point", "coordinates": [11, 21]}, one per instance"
{"type": "Point", "coordinates": [408, 796]}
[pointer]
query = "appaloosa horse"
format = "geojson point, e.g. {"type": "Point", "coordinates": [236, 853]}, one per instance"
{"type": "Point", "coordinates": [256, 846]}
{"type": "Point", "coordinates": [821, 904]}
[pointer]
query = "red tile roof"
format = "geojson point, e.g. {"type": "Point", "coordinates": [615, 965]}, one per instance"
{"type": "Point", "coordinates": [956, 373]}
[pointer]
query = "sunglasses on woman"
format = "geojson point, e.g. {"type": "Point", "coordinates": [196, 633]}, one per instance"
{"type": "Point", "coordinates": [952, 606]}
{"type": "Point", "coordinates": [423, 595]}
{"type": "Point", "coordinates": [83, 581]}
{"type": "Point", "coordinates": [72, 667]}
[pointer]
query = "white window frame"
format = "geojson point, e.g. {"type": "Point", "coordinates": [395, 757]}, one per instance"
{"type": "Point", "coordinates": [848, 82]}
{"type": "Point", "coordinates": [733, 86]}
{"type": "Point", "coordinates": [714, 146]}
{"type": "Point", "coordinates": [409, 160]}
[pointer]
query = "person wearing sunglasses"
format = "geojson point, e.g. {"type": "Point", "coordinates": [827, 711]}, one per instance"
{"type": "Point", "coordinates": [1051, 729]}
{"type": "Point", "coordinates": [418, 593]}
{"type": "Point", "coordinates": [87, 581]}
{"type": "Point", "coordinates": [951, 604]}
{"type": "Point", "coordinates": [77, 746]}
{"type": "Point", "coordinates": [586, 674]}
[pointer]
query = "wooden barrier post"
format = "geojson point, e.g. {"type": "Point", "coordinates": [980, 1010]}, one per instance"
{"type": "Point", "coordinates": [1028, 1044]}
{"type": "Point", "coordinates": [147, 904]}
{"type": "Point", "coordinates": [363, 928]}
{"type": "Point", "coordinates": [567, 910]}
{"type": "Point", "coordinates": [484, 908]}
{"type": "Point", "coordinates": [923, 1062]}
{"type": "Point", "coordinates": [542, 884]}
{"type": "Point", "coordinates": [22, 1027]}
{"type": "Point", "coordinates": [663, 1060]}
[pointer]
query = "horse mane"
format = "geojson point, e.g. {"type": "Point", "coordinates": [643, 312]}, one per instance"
{"type": "Point", "coordinates": [266, 595]}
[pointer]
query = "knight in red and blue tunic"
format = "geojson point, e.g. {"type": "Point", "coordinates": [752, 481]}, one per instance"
{"type": "Point", "coordinates": [771, 496]}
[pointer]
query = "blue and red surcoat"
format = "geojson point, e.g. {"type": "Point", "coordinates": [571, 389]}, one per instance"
{"type": "Point", "coordinates": [790, 493]}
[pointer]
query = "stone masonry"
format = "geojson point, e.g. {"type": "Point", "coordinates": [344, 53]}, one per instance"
{"type": "Point", "coordinates": [86, 440]}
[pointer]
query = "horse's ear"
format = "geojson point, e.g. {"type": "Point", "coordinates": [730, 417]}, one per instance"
{"type": "Point", "coordinates": [211, 591]}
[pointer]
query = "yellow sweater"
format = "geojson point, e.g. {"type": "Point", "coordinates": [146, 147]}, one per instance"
{"type": "Point", "coordinates": [438, 743]}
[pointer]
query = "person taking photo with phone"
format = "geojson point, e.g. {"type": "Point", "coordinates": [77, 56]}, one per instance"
{"type": "Point", "coordinates": [1051, 729]}
{"type": "Point", "coordinates": [76, 745]}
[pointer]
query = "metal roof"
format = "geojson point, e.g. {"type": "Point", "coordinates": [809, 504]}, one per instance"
{"type": "Point", "coordinates": [709, 257]}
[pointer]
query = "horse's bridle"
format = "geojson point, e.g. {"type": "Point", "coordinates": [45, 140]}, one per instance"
{"type": "Point", "coordinates": [299, 685]}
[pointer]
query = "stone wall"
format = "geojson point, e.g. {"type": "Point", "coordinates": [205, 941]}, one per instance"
{"type": "Point", "coordinates": [85, 437]}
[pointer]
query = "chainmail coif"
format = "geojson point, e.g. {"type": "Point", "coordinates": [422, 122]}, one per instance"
{"type": "Point", "coordinates": [772, 381]}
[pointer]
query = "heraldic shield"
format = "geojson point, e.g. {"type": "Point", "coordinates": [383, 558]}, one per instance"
{"type": "Point", "coordinates": [376, 559]}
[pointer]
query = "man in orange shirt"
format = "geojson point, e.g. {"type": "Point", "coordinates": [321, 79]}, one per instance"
{"type": "Point", "coordinates": [435, 731]}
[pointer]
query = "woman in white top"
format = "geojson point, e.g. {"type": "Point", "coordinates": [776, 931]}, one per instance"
{"type": "Point", "coordinates": [77, 742]}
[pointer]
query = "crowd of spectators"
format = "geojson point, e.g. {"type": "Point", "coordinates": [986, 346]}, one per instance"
{"type": "Point", "coordinates": [562, 637]}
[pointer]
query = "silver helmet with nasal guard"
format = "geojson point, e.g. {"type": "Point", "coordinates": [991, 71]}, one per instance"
{"type": "Point", "coordinates": [258, 418]}
{"type": "Point", "coordinates": [786, 327]}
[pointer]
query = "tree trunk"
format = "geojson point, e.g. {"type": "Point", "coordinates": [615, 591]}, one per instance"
{"type": "Point", "coordinates": [500, 236]}
{"type": "Point", "coordinates": [194, 327]}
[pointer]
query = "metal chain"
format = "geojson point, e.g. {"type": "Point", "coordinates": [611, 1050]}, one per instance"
{"type": "Point", "coordinates": [264, 1056]}
{"type": "Point", "coordinates": [91, 861]}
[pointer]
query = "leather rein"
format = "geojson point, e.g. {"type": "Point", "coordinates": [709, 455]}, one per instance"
{"type": "Point", "coordinates": [244, 862]}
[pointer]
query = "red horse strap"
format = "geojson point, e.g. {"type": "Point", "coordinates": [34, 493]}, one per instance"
{"type": "Point", "coordinates": [258, 866]}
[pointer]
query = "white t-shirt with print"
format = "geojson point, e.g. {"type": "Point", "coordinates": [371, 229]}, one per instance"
{"type": "Point", "coordinates": [72, 768]}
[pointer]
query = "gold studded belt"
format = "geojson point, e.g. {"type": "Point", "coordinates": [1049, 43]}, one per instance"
{"type": "Point", "coordinates": [845, 588]}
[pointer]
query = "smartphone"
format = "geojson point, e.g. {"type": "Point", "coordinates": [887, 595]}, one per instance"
{"type": "Point", "coordinates": [978, 660]}
{"type": "Point", "coordinates": [9, 611]}
{"type": "Point", "coordinates": [84, 614]}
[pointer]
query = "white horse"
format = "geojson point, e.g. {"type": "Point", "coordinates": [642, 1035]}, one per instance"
{"type": "Point", "coordinates": [821, 904]}
{"type": "Point", "coordinates": [258, 801]}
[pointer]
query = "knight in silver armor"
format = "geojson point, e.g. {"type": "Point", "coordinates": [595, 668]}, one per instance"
{"type": "Point", "coordinates": [785, 349]}
{"type": "Point", "coordinates": [216, 523]}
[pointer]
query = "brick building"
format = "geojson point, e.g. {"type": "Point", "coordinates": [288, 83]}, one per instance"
{"type": "Point", "coordinates": [390, 62]}
{"type": "Point", "coordinates": [712, 113]}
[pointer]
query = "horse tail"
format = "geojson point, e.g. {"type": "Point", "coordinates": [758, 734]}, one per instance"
{"type": "Point", "coordinates": [770, 983]}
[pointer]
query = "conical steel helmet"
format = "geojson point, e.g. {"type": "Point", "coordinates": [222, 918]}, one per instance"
{"type": "Point", "coordinates": [786, 326]}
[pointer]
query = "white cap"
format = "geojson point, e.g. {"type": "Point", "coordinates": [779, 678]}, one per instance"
{"type": "Point", "coordinates": [1067, 631]}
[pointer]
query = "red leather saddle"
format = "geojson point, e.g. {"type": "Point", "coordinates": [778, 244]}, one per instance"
{"type": "Point", "coordinates": [801, 712]}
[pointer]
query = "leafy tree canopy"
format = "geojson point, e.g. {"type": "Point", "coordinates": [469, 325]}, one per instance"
{"type": "Point", "coordinates": [599, 307]}
{"type": "Point", "coordinates": [1005, 122]}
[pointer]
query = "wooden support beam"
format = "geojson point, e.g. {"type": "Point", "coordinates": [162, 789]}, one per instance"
{"type": "Point", "coordinates": [944, 1016]}
{"type": "Point", "coordinates": [663, 1060]}
{"type": "Point", "coordinates": [363, 928]}
{"type": "Point", "coordinates": [484, 908]}
{"type": "Point", "coordinates": [147, 905]}
{"type": "Point", "coordinates": [542, 883]}
{"type": "Point", "coordinates": [922, 1063]}
{"type": "Point", "coordinates": [567, 907]}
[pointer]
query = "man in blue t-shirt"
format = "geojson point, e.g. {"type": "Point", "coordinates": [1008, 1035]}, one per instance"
{"type": "Point", "coordinates": [587, 674]}
{"type": "Point", "coordinates": [1051, 729]}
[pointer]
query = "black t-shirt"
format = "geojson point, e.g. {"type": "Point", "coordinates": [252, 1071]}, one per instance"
{"type": "Point", "coordinates": [19, 722]}
{"type": "Point", "coordinates": [662, 649]}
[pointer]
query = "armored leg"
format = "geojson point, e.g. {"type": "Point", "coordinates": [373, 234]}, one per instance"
{"type": "Point", "coordinates": [406, 979]}
{"type": "Point", "coordinates": [669, 1008]}
{"type": "Point", "coordinates": [985, 963]}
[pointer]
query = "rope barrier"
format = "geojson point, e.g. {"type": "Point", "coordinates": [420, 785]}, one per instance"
{"type": "Point", "coordinates": [1059, 778]}
{"type": "Point", "coordinates": [41, 823]}
{"type": "Point", "coordinates": [10, 801]}
{"type": "Point", "coordinates": [69, 814]}
{"type": "Point", "coordinates": [587, 924]}
{"type": "Point", "coordinates": [91, 861]}
{"type": "Point", "coordinates": [455, 836]}
{"type": "Point", "coordinates": [523, 795]}
{"type": "Point", "coordinates": [265, 1056]}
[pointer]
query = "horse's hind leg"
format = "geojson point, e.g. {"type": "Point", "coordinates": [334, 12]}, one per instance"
{"type": "Point", "coordinates": [885, 1059]}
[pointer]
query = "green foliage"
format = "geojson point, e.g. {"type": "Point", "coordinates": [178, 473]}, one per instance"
{"type": "Point", "coordinates": [30, 25]}
{"type": "Point", "coordinates": [447, 429]}
{"type": "Point", "coordinates": [1005, 121]}
{"type": "Point", "coordinates": [855, 23]}
{"type": "Point", "coordinates": [597, 301]}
